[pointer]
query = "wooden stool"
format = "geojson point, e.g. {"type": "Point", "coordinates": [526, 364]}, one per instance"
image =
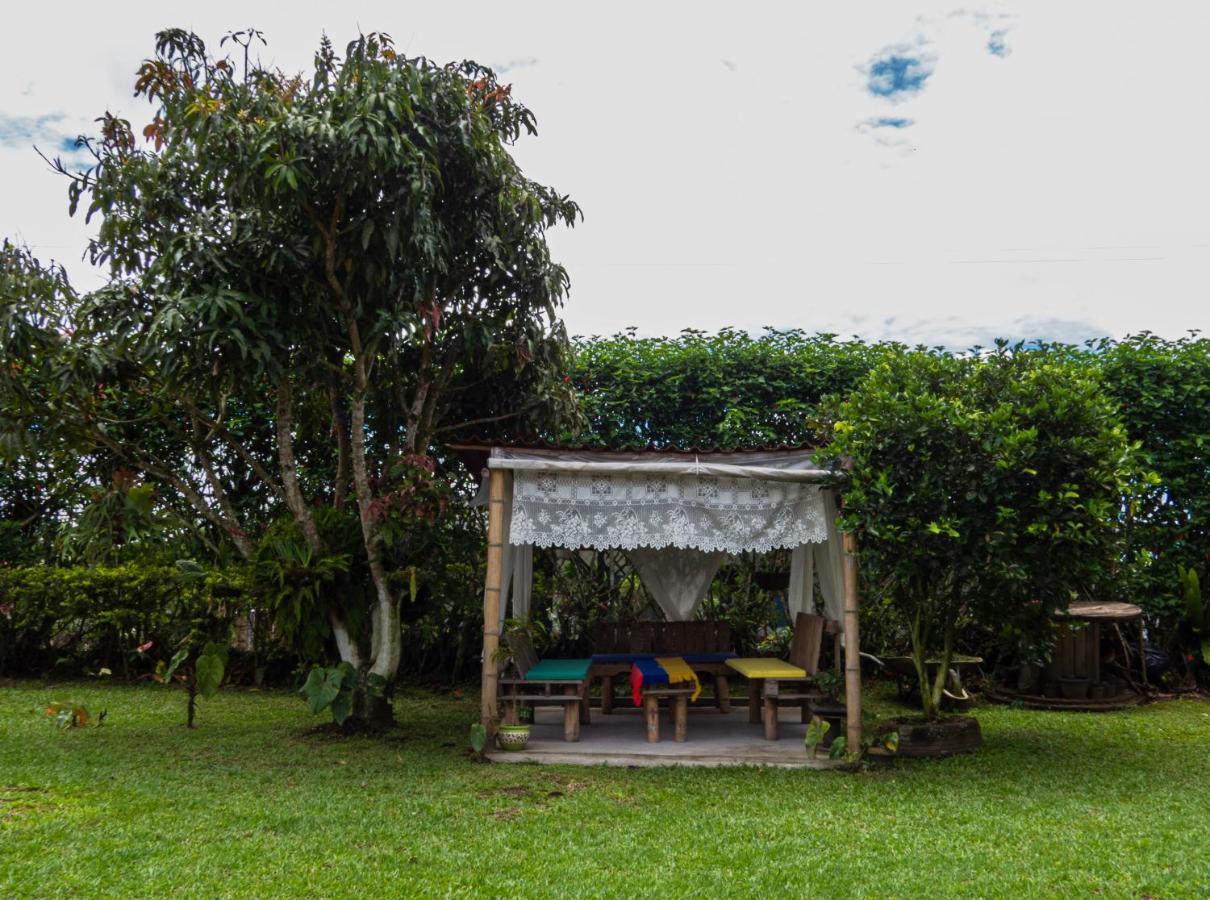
{"type": "Point", "coordinates": [678, 704]}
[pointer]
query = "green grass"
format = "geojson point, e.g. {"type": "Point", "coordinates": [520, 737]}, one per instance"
{"type": "Point", "coordinates": [254, 802]}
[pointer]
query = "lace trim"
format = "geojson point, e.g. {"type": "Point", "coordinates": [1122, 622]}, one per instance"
{"type": "Point", "coordinates": [628, 511]}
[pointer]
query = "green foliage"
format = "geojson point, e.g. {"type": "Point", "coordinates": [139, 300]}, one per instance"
{"type": "Point", "coordinates": [982, 488]}
{"type": "Point", "coordinates": [209, 668]}
{"type": "Point", "coordinates": [1197, 611]}
{"type": "Point", "coordinates": [817, 733]}
{"type": "Point", "coordinates": [727, 389]}
{"type": "Point", "coordinates": [1163, 390]}
{"type": "Point", "coordinates": [478, 738]}
{"type": "Point", "coordinates": [77, 619]}
{"type": "Point", "coordinates": [332, 689]}
{"type": "Point", "coordinates": [830, 682]}
{"type": "Point", "coordinates": [302, 587]}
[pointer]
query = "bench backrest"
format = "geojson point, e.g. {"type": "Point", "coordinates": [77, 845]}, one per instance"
{"type": "Point", "coordinates": [672, 638]}
{"type": "Point", "coordinates": [807, 641]}
{"type": "Point", "coordinates": [522, 647]}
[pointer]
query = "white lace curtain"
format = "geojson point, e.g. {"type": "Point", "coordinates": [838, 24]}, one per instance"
{"type": "Point", "coordinates": [627, 511]}
{"type": "Point", "coordinates": [676, 531]}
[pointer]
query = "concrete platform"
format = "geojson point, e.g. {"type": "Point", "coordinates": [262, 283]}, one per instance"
{"type": "Point", "coordinates": [713, 739]}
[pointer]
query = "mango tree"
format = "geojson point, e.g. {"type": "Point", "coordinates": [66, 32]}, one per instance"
{"type": "Point", "coordinates": [355, 248]}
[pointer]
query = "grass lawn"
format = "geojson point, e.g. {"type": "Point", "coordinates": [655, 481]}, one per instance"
{"type": "Point", "coordinates": [254, 802]}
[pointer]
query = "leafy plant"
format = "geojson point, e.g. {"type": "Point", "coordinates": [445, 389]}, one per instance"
{"type": "Point", "coordinates": [830, 682]}
{"type": "Point", "coordinates": [331, 688]}
{"type": "Point", "coordinates": [817, 733]}
{"type": "Point", "coordinates": [1197, 611]}
{"type": "Point", "coordinates": [202, 679]}
{"type": "Point", "coordinates": [478, 739]}
{"type": "Point", "coordinates": [887, 740]}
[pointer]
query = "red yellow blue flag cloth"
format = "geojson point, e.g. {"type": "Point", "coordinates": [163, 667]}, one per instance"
{"type": "Point", "coordinates": [679, 673]}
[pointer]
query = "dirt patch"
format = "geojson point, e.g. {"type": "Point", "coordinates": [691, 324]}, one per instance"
{"type": "Point", "coordinates": [519, 790]}
{"type": "Point", "coordinates": [21, 799]}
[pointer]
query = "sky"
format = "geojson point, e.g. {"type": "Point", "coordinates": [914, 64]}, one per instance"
{"type": "Point", "coordinates": [939, 174]}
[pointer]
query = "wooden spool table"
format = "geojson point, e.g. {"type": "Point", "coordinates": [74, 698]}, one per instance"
{"type": "Point", "coordinates": [1076, 660]}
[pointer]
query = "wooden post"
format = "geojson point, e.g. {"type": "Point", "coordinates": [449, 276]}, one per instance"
{"type": "Point", "coordinates": [852, 646]}
{"type": "Point", "coordinates": [651, 714]}
{"type": "Point", "coordinates": [754, 700]}
{"type": "Point", "coordinates": [571, 714]}
{"type": "Point", "coordinates": [680, 717]}
{"type": "Point", "coordinates": [770, 692]}
{"type": "Point", "coordinates": [722, 692]}
{"type": "Point", "coordinates": [491, 599]}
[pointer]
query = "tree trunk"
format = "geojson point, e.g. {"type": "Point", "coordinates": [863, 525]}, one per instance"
{"type": "Point", "coordinates": [387, 640]}
{"type": "Point", "coordinates": [289, 468]}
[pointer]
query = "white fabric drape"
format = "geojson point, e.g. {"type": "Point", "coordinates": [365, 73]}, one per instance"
{"type": "Point", "coordinates": [829, 561]}
{"type": "Point", "coordinates": [522, 586]}
{"type": "Point", "coordinates": [800, 597]}
{"type": "Point", "coordinates": [627, 510]}
{"type": "Point", "coordinates": [517, 565]}
{"type": "Point", "coordinates": [677, 579]}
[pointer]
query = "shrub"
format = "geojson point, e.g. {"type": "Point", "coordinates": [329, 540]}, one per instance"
{"type": "Point", "coordinates": [89, 618]}
{"type": "Point", "coordinates": [983, 488]}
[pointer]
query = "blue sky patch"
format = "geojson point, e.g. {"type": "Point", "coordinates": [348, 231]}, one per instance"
{"type": "Point", "coordinates": [21, 131]}
{"type": "Point", "coordinates": [898, 72]}
{"type": "Point", "coordinates": [891, 122]}
{"type": "Point", "coordinates": [996, 44]}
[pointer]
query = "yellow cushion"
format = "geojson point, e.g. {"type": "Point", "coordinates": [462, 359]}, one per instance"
{"type": "Point", "coordinates": [766, 668]}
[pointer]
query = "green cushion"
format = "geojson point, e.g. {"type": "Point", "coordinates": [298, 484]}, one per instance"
{"type": "Point", "coordinates": [559, 670]}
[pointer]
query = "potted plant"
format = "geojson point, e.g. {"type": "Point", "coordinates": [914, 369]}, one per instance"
{"type": "Point", "coordinates": [515, 736]}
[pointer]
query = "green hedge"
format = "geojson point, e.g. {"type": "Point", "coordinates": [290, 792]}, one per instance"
{"type": "Point", "coordinates": [81, 619]}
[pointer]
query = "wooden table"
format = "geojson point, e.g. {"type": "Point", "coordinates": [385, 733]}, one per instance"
{"type": "Point", "coordinates": [765, 677]}
{"type": "Point", "coordinates": [710, 672]}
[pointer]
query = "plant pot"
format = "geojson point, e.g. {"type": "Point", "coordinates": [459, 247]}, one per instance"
{"type": "Point", "coordinates": [835, 715]}
{"type": "Point", "coordinates": [944, 737]}
{"type": "Point", "coordinates": [1073, 688]}
{"type": "Point", "coordinates": [513, 737]}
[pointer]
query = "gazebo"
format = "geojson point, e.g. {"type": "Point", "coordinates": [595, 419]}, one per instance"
{"type": "Point", "coordinates": [676, 514]}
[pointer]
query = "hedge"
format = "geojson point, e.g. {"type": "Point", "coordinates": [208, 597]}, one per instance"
{"type": "Point", "coordinates": [69, 620]}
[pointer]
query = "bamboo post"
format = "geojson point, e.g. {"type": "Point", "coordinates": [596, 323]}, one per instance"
{"type": "Point", "coordinates": [852, 647]}
{"type": "Point", "coordinates": [491, 599]}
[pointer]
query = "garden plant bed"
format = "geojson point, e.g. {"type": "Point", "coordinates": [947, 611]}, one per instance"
{"type": "Point", "coordinates": [944, 737]}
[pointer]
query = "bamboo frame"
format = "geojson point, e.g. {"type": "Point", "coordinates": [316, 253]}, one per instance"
{"type": "Point", "coordinates": [852, 647]}
{"type": "Point", "coordinates": [489, 687]}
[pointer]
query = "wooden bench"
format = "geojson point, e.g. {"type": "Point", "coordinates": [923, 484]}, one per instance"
{"type": "Point", "coordinates": [773, 683]}
{"type": "Point", "coordinates": [548, 682]}
{"type": "Point", "coordinates": [678, 707]}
